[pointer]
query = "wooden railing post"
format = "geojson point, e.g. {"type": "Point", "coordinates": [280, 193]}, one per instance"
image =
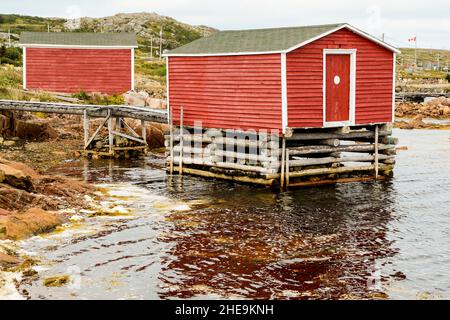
{"type": "Point", "coordinates": [171, 140]}
{"type": "Point", "coordinates": [110, 132]}
{"type": "Point", "coordinates": [283, 157]}
{"type": "Point", "coordinates": [180, 168]}
{"type": "Point", "coordinates": [86, 128]}
{"type": "Point", "coordinates": [376, 160]}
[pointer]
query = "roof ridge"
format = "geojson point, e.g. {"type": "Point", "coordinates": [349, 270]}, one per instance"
{"type": "Point", "coordinates": [287, 27]}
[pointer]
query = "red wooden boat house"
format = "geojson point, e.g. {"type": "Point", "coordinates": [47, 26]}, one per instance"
{"type": "Point", "coordinates": [70, 62]}
{"type": "Point", "coordinates": [317, 86]}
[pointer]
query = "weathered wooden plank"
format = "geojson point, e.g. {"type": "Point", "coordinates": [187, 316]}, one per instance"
{"type": "Point", "coordinates": [93, 111]}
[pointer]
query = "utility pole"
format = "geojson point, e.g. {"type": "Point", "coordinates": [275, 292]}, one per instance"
{"type": "Point", "coordinates": [438, 62]}
{"type": "Point", "coordinates": [9, 38]}
{"type": "Point", "coordinates": [160, 42]}
{"type": "Point", "coordinates": [48, 27]}
{"type": "Point", "coordinates": [151, 47]}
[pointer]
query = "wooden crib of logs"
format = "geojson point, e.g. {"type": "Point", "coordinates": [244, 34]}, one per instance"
{"type": "Point", "coordinates": [300, 158]}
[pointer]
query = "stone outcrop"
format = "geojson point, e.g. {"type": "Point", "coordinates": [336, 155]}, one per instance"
{"type": "Point", "coordinates": [30, 128]}
{"type": "Point", "coordinates": [436, 108]}
{"type": "Point", "coordinates": [22, 188]}
{"type": "Point", "coordinates": [143, 99]}
{"type": "Point", "coordinates": [31, 222]}
{"type": "Point", "coordinates": [8, 261]}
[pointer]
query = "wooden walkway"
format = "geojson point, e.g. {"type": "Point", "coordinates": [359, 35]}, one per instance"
{"type": "Point", "coordinates": [93, 111]}
{"type": "Point", "coordinates": [113, 118]}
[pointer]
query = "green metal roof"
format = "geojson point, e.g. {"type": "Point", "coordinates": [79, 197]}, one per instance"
{"type": "Point", "coordinates": [79, 39]}
{"type": "Point", "coordinates": [256, 40]}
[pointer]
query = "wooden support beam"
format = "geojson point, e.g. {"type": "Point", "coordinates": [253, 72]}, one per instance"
{"type": "Point", "coordinates": [130, 129]}
{"type": "Point", "coordinates": [124, 135]}
{"type": "Point", "coordinates": [86, 128]}
{"type": "Point", "coordinates": [376, 156]}
{"type": "Point", "coordinates": [287, 169]}
{"type": "Point", "coordinates": [244, 179]}
{"type": "Point", "coordinates": [329, 160]}
{"type": "Point", "coordinates": [180, 165]}
{"type": "Point", "coordinates": [144, 131]}
{"type": "Point", "coordinates": [96, 132]}
{"type": "Point", "coordinates": [324, 171]}
{"type": "Point", "coordinates": [311, 150]}
{"type": "Point", "coordinates": [171, 141]}
{"type": "Point", "coordinates": [352, 135]}
{"type": "Point", "coordinates": [110, 133]}
{"type": "Point", "coordinates": [226, 165]}
{"type": "Point", "coordinates": [283, 156]}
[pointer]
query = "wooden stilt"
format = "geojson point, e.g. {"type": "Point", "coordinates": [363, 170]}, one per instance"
{"type": "Point", "coordinates": [110, 133]}
{"type": "Point", "coordinates": [180, 165]}
{"type": "Point", "coordinates": [283, 155]}
{"type": "Point", "coordinates": [117, 125]}
{"type": "Point", "coordinates": [171, 141]}
{"type": "Point", "coordinates": [287, 169]}
{"type": "Point", "coordinates": [86, 128]}
{"type": "Point", "coordinates": [376, 152]}
{"type": "Point", "coordinates": [144, 132]}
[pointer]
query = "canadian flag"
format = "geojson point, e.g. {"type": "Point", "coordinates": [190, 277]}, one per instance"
{"type": "Point", "coordinates": [414, 39]}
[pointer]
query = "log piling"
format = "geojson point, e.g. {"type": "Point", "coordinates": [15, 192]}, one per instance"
{"type": "Point", "coordinates": [302, 158]}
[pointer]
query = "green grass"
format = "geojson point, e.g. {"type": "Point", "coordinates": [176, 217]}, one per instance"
{"type": "Point", "coordinates": [99, 99]}
{"type": "Point", "coordinates": [154, 69]}
{"type": "Point", "coordinates": [18, 23]}
{"type": "Point", "coordinates": [11, 56]}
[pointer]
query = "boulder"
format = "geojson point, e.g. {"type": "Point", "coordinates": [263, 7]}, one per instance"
{"type": "Point", "coordinates": [144, 95]}
{"type": "Point", "coordinates": [134, 99]}
{"type": "Point", "coordinates": [15, 178]}
{"type": "Point", "coordinates": [7, 261]}
{"type": "Point", "coordinates": [417, 122]}
{"type": "Point", "coordinates": [5, 124]}
{"type": "Point", "coordinates": [156, 103]}
{"type": "Point", "coordinates": [32, 222]}
{"type": "Point", "coordinates": [34, 130]}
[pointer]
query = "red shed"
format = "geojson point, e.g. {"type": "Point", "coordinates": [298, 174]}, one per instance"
{"type": "Point", "coordinates": [297, 77]}
{"type": "Point", "coordinates": [74, 62]}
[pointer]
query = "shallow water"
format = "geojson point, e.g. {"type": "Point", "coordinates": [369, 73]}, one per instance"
{"type": "Point", "coordinates": [187, 237]}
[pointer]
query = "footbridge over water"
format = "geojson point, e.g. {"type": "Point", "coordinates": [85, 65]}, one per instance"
{"type": "Point", "coordinates": [112, 115]}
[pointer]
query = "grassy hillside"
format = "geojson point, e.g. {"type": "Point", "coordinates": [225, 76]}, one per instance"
{"type": "Point", "coordinates": [147, 26]}
{"type": "Point", "coordinates": [431, 63]}
{"type": "Point", "coordinates": [17, 23]}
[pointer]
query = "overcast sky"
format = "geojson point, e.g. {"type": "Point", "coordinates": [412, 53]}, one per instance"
{"type": "Point", "coordinates": [398, 19]}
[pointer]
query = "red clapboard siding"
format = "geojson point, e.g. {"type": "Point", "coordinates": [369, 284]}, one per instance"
{"type": "Point", "coordinates": [230, 92]}
{"type": "Point", "coordinates": [374, 69]}
{"type": "Point", "coordinates": [75, 70]}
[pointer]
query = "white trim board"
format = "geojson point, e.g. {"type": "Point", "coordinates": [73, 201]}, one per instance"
{"type": "Point", "coordinates": [24, 68]}
{"type": "Point", "coordinates": [347, 26]}
{"type": "Point", "coordinates": [167, 90]}
{"type": "Point", "coordinates": [284, 103]}
{"type": "Point", "coordinates": [60, 46]}
{"type": "Point", "coordinates": [394, 80]}
{"type": "Point", "coordinates": [132, 69]}
{"type": "Point", "coordinates": [352, 102]}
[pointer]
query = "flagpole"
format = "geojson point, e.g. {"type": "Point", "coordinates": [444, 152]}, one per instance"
{"type": "Point", "coordinates": [415, 50]}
